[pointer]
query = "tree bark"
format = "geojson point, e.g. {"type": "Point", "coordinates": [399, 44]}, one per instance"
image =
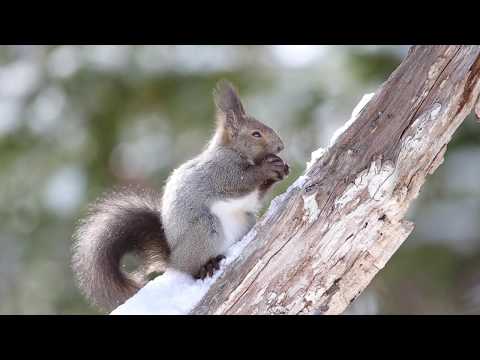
{"type": "Point", "coordinates": [322, 242]}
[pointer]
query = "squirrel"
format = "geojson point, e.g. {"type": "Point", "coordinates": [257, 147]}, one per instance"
{"type": "Point", "coordinates": [208, 203]}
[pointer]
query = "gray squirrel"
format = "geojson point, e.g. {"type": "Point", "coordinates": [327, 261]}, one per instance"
{"type": "Point", "coordinates": [208, 203]}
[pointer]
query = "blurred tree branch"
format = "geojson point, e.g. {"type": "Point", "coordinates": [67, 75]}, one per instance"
{"type": "Point", "coordinates": [322, 242]}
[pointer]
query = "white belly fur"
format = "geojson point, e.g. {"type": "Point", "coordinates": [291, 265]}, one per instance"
{"type": "Point", "coordinates": [233, 214]}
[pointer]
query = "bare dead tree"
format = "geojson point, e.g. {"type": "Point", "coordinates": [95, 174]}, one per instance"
{"type": "Point", "coordinates": [322, 242]}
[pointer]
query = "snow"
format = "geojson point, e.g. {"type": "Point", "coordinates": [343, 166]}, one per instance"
{"type": "Point", "coordinates": [317, 154]}
{"type": "Point", "coordinates": [175, 292]}
{"type": "Point", "coordinates": [356, 111]}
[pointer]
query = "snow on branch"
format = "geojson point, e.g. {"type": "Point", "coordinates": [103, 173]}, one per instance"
{"type": "Point", "coordinates": [175, 292]}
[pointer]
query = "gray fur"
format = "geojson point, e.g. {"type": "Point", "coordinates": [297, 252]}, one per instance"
{"type": "Point", "coordinates": [181, 228]}
{"type": "Point", "coordinates": [193, 233]}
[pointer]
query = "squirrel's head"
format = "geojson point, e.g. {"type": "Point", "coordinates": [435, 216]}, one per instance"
{"type": "Point", "coordinates": [242, 132]}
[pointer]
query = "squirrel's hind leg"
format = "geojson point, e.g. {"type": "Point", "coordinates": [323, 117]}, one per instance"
{"type": "Point", "coordinates": [201, 244]}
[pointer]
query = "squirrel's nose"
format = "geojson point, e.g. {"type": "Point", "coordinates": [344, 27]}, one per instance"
{"type": "Point", "coordinates": [280, 147]}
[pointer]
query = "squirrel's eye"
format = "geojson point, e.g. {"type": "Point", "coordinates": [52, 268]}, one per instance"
{"type": "Point", "coordinates": [257, 134]}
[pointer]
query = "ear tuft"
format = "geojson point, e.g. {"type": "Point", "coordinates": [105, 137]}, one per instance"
{"type": "Point", "coordinates": [226, 98]}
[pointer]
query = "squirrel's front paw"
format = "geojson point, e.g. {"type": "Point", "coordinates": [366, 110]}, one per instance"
{"type": "Point", "coordinates": [209, 268]}
{"type": "Point", "coordinates": [275, 167]}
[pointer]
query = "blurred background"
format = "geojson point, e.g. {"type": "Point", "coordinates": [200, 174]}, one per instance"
{"type": "Point", "coordinates": [77, 120]}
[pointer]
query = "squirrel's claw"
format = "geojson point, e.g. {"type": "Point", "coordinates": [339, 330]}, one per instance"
{"type": "Point", "coordinates": [209, 268]}
{"type": "Point", "coordinates": [277, 161]}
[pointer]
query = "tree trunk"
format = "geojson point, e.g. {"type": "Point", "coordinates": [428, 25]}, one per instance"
{"type": "Point", "coordinates": [323, 240]}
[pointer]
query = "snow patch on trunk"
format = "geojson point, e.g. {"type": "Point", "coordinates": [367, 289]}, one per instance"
{"type": "Point", "coordinates": [356, 111]}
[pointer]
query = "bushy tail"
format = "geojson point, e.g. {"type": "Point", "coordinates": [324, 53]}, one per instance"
{"type": "Point", "coordinates": [126, 220]}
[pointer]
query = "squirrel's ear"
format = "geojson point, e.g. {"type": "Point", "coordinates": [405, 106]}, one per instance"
{"type": "Point", "coordinates": [230, 111]}
{"type": "Point", "coordinates": [226, 99]}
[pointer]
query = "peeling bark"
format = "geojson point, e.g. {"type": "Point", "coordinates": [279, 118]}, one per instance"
{"type": "Point", "coordinates": [323, 240]}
